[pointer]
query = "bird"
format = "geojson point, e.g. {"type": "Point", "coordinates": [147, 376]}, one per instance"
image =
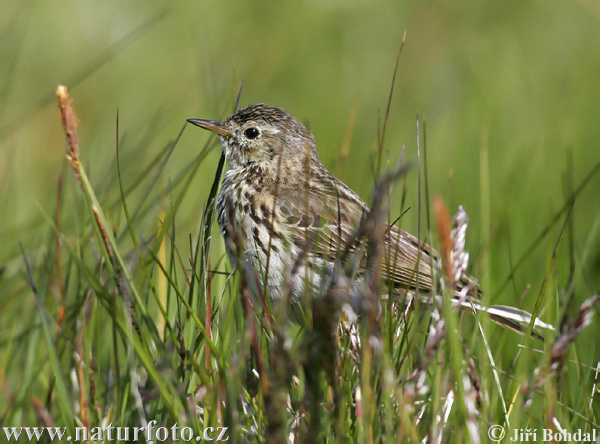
{"type": "Point", "coordinates": [289, 222]}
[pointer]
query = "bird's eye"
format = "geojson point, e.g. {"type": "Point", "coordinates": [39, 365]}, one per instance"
{"type": "Point", "coordinates": [251, 133]}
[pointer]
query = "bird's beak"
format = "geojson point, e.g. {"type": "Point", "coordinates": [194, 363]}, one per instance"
{"type": "Point", "coordinates": [211, 125]}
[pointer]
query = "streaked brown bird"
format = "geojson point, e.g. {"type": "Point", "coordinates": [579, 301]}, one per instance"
{"type": "Point", "coordinates": [292, 218]}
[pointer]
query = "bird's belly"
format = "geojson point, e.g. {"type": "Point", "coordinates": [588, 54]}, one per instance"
{"type": "Point", "coordinates": [268, 260]}
{"type": "Point", "coordinates": [274, 260]}
{"type": "Point", "coordinates": [269, 256]}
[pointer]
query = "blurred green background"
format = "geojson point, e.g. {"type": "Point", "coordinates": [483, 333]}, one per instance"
{"type": "Point", "coordinates": [530, 70]}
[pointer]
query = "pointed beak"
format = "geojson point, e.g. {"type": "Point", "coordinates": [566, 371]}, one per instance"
{"type": "Point", "coordinates": [211, 125]}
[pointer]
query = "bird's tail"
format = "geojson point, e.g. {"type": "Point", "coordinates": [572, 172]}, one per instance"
{"type": "Point", "coordinates": [510, 317]}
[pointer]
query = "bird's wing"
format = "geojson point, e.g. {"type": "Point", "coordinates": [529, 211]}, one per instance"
{"type": "Point", "coordinates": [327, 217]}
{"type": "Point", "coordinates": [406, 260]}
{"type": "Point", "coordinates": [323, 217]}
{"type": "Point", "coordinates": [327, 220]}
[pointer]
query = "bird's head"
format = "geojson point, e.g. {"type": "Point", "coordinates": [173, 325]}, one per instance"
{"type": "Point", "coordinates": [259, 134]}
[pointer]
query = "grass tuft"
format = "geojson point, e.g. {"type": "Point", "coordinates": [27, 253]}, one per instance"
{"type": "Point", "coordinates": [111, 324]}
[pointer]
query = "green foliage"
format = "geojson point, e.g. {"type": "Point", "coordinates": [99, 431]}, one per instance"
{"type": "Point", "coordinates": [121, 307]}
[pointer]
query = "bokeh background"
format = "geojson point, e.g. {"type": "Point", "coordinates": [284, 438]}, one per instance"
{"type": "Point", "coordinates": [519, 80]}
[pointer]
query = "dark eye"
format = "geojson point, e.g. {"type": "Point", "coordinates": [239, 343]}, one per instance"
{"type": "Point", "coordinates": [251, 133]}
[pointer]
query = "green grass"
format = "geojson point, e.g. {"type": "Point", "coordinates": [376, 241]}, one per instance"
{"type": "Point", "coordinates": [122, 331]}
{"type": "Point", "coordinates": [121, 307]}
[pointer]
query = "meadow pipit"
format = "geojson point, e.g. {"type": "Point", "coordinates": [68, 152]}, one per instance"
{"type": "Point", "coordinates": [291, 218]}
